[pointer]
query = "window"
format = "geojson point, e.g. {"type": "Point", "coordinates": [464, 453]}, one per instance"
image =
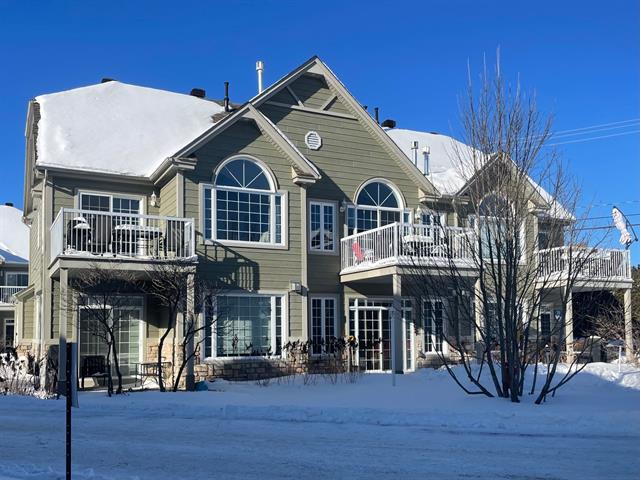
{"type": "Point", "coordinates": [242, 205]}
{"type": "Point", "coordinates": [109, 203]}
{"type": "Point", "coordinates": [9, 332]}
{"type": "Point", "coordinates": [433, 314]}
{"type": "Point", "coordinates": [377, 204]}
{"type": "Point", "coordinates": [322, 227]}
{"type": "Point", "coordinates": [544, 239]}
{"type": "Point", "coordinates": [17, 279]}
{"type": "Point", "coordinates": [245, 325]}
{"type": "Point", "coordinates": [323, 324]}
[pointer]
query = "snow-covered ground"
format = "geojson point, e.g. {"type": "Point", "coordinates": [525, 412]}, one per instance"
{"type": "Point", "coordinates": [425, 427]}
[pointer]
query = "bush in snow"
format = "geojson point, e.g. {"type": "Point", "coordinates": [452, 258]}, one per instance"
{"type": "Point", "coordinates": [20, 375]}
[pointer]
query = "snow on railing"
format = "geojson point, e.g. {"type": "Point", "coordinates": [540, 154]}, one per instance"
{"type": "Point", "coordinates": [584, 263]}
{"type": "Point", "coordinates": [406, 244]}
{"type": "Point", "coordinates": [120, 235]}
{"type": "Point", "coordinates": [8, 294]}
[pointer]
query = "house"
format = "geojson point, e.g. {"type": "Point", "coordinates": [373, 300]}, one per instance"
{"type": "Point", "coordinates": [14, 269]}
{"type": "Point", "coordinates": [273, 198]}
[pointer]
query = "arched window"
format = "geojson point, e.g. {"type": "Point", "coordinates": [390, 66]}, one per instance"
{"type": "Point", "coordinates": [378, 203]}
{"type": "Point", "coordinates": [242, 205]}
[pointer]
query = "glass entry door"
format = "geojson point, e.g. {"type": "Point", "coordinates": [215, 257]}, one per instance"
{"type": "Point", "coordinates": [127, 330]}
{"type": "Point", "coordinates": [370, 324]}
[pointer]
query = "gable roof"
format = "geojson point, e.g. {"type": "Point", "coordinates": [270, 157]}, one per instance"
{"type": "Point", "coordinates": [114, 127]}
{"type": "Point", "coordinates": [14, 236]}
{"type": "Point", "coordinates": [316, 66]}
{"type": "Point", "coordinates": [445, 169]}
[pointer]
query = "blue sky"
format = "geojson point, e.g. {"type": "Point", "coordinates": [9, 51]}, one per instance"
{"type": "Point", "coordinates": [408, 58]}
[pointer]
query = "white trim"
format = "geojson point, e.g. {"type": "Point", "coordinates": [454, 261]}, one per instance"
{"type": "Point", "coordinates": [272, 244]}
{"type": "Point", "coordinates": [284, 323]}
{"type": "Point", "coordinates": [9, 321]}
{"type": "Point", "coordinates": [271, 178]}
{"type": "Point", "coordinates": [323, 316]}
{"type": "Point", "coordinates": [334, 220]}
{"type": "Point", "coordinates": [445, 347]}
{"type": "Point", "coordinates": [127, 196]}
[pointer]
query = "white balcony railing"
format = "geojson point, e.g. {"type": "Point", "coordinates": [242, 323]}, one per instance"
{"type": "Point", "coordinates": [584, 263]}
{"type": "Point", "coordinates": [406, 244]}
{"type": "Point", "coordinates": [8, 294]}
{"type": "Point", "coordinates": [117, 235]}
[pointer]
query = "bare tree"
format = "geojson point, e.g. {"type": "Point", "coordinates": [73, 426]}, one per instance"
{"type": "Point", "coordinates": [98, 293]}
{"type": "Point", "coordinates": [168, 282]}
{"type": "Point", "coordinates": [491, 274]}
{"type": "Point", "coordinates": [194, 331]}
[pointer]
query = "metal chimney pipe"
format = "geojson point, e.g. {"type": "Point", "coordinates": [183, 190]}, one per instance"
{"type": "Point", "coordinates": [260, 69]}
{"type": "Point", "coordinates": [226, 96]}
{"type": "Point", "coordinates": [426, 151]}
{"type": "Point", "coordinates": [376, 110]}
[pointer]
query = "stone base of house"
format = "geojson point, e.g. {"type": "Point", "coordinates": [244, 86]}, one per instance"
{"type": "Point", "coordinates": [246, 369]}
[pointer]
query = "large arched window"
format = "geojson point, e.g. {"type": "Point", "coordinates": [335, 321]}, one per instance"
{"type": "Point", "coordinates": [243, 205]}
{"type": "Point", "coordinates": [377, 203]}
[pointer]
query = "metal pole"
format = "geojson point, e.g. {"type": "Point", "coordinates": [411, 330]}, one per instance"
{"type": "Point", "coordinates": [68, 411]}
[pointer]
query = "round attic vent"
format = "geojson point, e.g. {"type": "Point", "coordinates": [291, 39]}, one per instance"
{"type": "Point", "coordinates": [313, 140]}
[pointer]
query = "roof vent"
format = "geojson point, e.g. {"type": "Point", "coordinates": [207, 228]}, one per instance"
{"type": "Point", "coordinates": [107, 79]}
{"type": "Point", "coordinates": [9, 204]}
{"type": "Point", "coordinates": [389, 123]}
{"type": "Point", "coordinates": [313, 140]}
{"type": "Point", "coordinates": [198, 92]}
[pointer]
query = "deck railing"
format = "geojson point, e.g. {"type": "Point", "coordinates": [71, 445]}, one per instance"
{"type": "Point", "coordinates": [8, 294]}
{"type": "Point", "coordinates": [406, 244]}
{"type": "Point", "coordinates": [584, 263]}
{"type": "Point", "coordinates": [119, 235]}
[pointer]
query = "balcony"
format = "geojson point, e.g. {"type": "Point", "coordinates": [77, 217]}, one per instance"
{"type": "Point", "coordinates": [8, 294]}
{"type": "Point", "coordinates": [407, 245]}
{"type": "Point", "coordinates": [90, 234]}
{"type": "Point", "coordinates": [599, 265]}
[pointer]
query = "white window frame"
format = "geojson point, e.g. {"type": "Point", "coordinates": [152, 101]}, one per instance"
{"type": "Point", "coordinates": [112, 195]}
{"type": "Point", "coordinates": [445, 346]}
{"type": "Point", "coordinates": [12, 274]}
{"type": "Point", "coordinates": [322, 204]}
{"type": "Point", "coordinates": [401, 209]}
{"type": "Point", "coordinates": [10, 321]}
{"type": "Point", "coordinates": [142, 309]}
{"type": "Point", "coordinates": [273, 192]}
{"type": "Point", "coordinates": [284, 322]}
{"type": "Point", "coordinates": [323, 317]}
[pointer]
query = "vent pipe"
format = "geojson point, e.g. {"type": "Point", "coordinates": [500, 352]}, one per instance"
{"type": "Point", "coordinates": [426, 151]}
{"type": "Point", "coordinates": [226, 96]}
{"type": "Point", "coordinates": [376, 115]}
{"type": "Point", "coordinates": [414, 152]}
{"type": "Point", "coordinates": [259, 69]}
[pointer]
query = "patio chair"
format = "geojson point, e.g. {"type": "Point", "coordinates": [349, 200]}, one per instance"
{"type": "Point", "coordinates": [360, 254]}
{"type": "Point", "coordinates": [94, 366]}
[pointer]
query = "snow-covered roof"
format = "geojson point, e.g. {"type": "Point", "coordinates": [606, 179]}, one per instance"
{"type": "Point", "coordinates": [445, 166]}
{"type": "Point", "coordinates": [114, 127]}
{"type": "Point", "coordinates": [444, 171]}
{"type": "Point", "coordinates": [14, 236]}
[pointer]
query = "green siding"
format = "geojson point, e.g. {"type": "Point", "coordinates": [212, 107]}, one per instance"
{"type": "Point", "coordinates": [28, 317]}
{"type": "Point", "coordinates": [168, 200]}
{"type": "Point", "coordinates": [66, 188]}
{"type": "Point", "coordinates": [248, 268]}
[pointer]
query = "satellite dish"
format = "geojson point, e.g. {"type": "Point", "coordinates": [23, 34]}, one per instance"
{"type": "Point", "coordinates": [627, 233]}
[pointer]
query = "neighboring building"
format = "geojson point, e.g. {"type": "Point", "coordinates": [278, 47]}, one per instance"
{"type": "Point", "coordinates": [14, 269]}
{"type": "Point", "coordinates": [259, 196]}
